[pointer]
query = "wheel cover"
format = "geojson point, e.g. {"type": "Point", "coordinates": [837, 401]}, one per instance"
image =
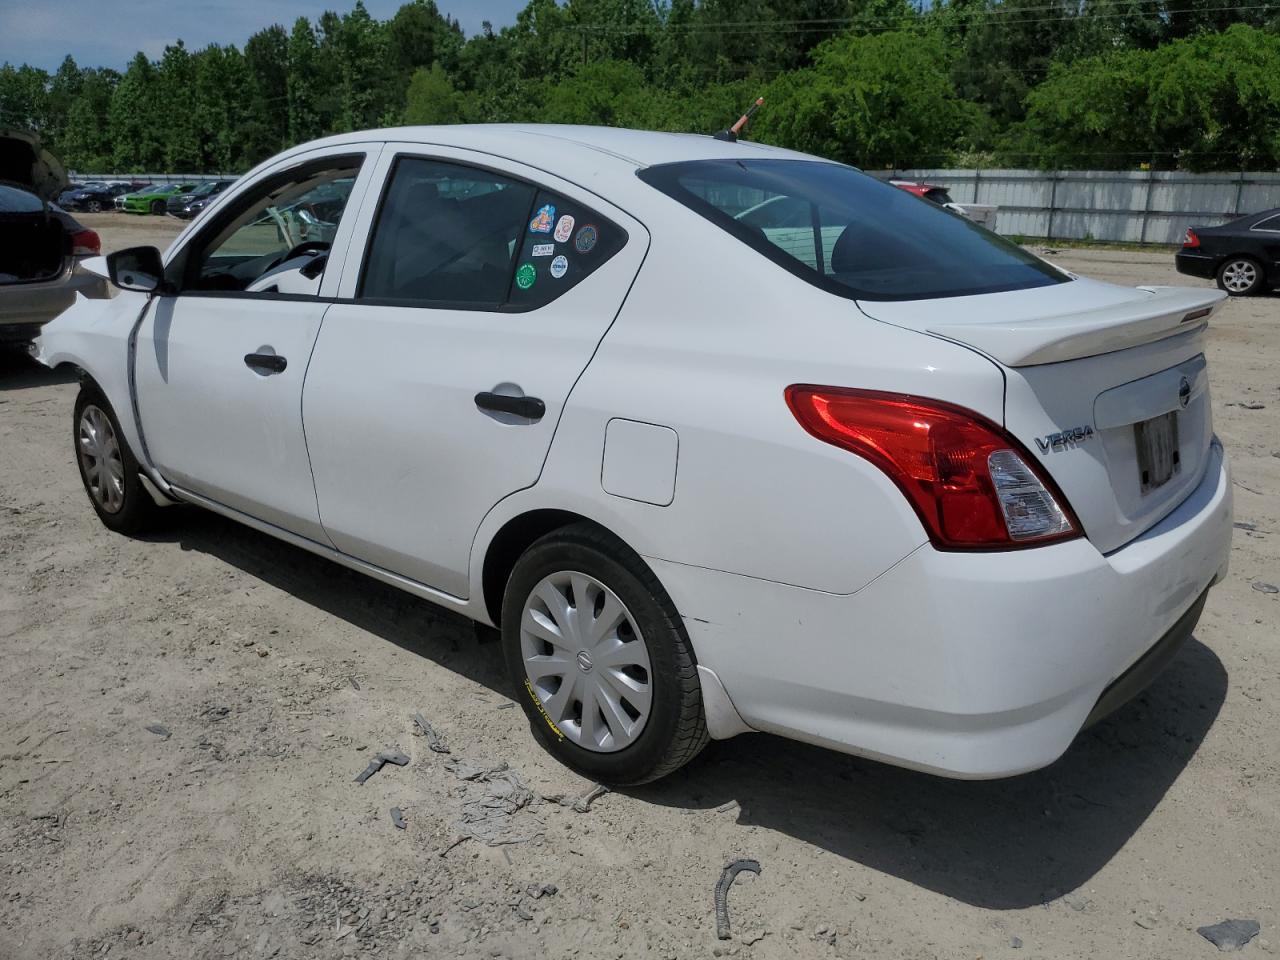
{"type": "Point", "coordinates": [100, 459]}
{"type": "Point", "coordinates": [586, 661]}
{"type": "Point", "coordinates": [1239, 275]}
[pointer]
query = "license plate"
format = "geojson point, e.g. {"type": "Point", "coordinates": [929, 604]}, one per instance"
{"type": "Point", "coordinates": [1157, 443]}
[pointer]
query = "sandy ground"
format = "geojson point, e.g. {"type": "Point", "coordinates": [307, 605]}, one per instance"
{"type": "Point", "coordinates": [277, 675]}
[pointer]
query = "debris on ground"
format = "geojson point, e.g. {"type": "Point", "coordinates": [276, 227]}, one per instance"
{"type": "Point", "coordinates": [434, 741]}
{"type": "Point", "coordinates": [722, 893]}
{"type": "Point", "coordinates": [1015, 943]}
{"type": "Point", "coordinates": [491, 797]}
{"type": "Point", "coordinates": [1265, 587]}
{"type": "Point", "coordinates": [397, 817]}
{"type": "Point", "coordinates": [214, 714]}
{"type": "Point", "coordinates": [1230, 934]}
{"type": "Point", "coordinates": [377, 763]}
{"type": "Point", "coordinates": [579, 804]}
{"type": "Point", "coordinates": [355, 684]}
{"type": "Point", "coordinates": [159, 730]}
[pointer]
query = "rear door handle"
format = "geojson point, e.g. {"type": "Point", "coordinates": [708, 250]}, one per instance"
{"type": "Point", "coordinates": [531, 408]}
{"type": "Point", "coordinates": [265, 362]}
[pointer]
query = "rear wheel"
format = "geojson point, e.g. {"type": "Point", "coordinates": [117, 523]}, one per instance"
{"type": "Point", "coordinates": [602, 664]}
{"type": "Point", "coordinates": [108, 468]}
{"type": "Point", "coordinates": [1240, 276]}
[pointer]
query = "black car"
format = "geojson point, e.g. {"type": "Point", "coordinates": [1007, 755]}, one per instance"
{"type": "Point", "coordinates": [187, 205]}
{"type": "Point", "coordinates": [1243, 255]}
{"type": "Point", "coordinates": [93, 197]}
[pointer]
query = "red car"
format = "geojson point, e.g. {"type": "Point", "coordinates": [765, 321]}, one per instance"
{"type": "Point", "coordinates": [980, 213]}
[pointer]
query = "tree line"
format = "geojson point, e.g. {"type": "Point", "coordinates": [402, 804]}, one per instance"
{"type": "Point", "coordinates": [1187, 84]}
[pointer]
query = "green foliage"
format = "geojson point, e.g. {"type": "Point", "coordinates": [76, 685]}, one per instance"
{"type": "Point", "coordinates": [1205, 102]}
{"type": "Point", "coordinates": [432, 98]}
{"type": "Point", "coordinates": [1102, 83]}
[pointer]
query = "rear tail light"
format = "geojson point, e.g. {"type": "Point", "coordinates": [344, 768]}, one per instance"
{"type": "Point", "coordinates": [973, 486]}
{"type": "Point", "coordinates": [86, 243]}
{"type": "Point", "coordinates": [1190, 241]}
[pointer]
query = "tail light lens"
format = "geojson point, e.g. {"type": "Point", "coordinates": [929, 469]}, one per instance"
{"type": "Point", "coordinates": [1190, 241]}
{"type": "Point", "coordinates": [973, 486]}
{"type": "Point", "coordinates": [86, 243]}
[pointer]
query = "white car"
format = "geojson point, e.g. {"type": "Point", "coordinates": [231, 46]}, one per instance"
{"type": "Point", "coordinates": [901, 489]}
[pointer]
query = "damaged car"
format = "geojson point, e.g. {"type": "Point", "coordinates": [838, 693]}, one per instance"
{"type": "Point", "coordinates": [42, 247]}
{"type": "Point", "coordinates": [720, 437]}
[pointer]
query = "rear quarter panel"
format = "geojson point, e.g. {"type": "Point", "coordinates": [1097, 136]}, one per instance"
{"type": "Point", "coordinates": [706, 343]}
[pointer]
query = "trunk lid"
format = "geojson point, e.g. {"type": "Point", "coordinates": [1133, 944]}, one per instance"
{"type": "Point", "coordinates": [23, 161]}
{"type": "Point", "coordinates": [34, 245]}
{"type": "Point", "coordinates": [1106, 386]}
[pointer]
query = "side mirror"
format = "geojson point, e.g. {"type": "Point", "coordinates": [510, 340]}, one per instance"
{"type": "Point", "coordinates": [137, 268]}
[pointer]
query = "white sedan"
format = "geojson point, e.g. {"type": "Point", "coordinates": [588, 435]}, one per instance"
{"type": "Point", "coordinates": [873, 478]}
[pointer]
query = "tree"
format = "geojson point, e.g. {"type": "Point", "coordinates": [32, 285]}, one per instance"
{"type": "Point", "coordinates": [431, 98]}
{"type": "Point", "coordinates": [136, 118]}
{"type": "Point", "coordinates": [882, 99]}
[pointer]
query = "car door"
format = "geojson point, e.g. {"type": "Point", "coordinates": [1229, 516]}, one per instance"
{"type": "Point", "coordinates": [439, 377]}
{"type": "Point", "coordinates": [221, 356]}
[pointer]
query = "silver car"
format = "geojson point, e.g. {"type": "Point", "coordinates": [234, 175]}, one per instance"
{"type": "Point", "coordinates": [41, 246]}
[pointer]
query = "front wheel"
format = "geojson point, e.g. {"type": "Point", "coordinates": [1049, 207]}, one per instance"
{"type": "Point", "coordinates": [93, 206]}
{"type": "Point", "coordinates": [602, 664]}
{"type": "Point", "coordinates": [1240, 276]}
{"type": "Point", "coordinates": [108, 468]}
{"type": "Point", "coordinates": [157, 206]}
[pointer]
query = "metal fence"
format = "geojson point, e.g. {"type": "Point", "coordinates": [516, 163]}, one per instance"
{"type": "Point", "coordinates": [79, 177]}
{"type": "Point", "coordinates": [1128, 206]}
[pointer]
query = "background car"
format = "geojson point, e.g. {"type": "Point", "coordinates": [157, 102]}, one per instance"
{"type": "Point", "coordinates": [134, 188]}
{"type": "Point", "coordinates": [1243, 256]}
{"type": "Point", "coordinates": [41, 246]}
{"type": "Point", "coordinates": [187, 205]}
{"type": "Point", "coordinates": [982, 213]}
{"type": "Point", "coordinates": [154, 198]}
{"type": "Point", "coordinates": [93, 198]}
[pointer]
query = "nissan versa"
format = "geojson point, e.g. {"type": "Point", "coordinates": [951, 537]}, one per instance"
{"type": "Point", "coordinates": [875, 479]}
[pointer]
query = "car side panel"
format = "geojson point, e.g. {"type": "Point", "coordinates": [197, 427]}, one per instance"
{"type": "Point", "coordinates": [707, 342]}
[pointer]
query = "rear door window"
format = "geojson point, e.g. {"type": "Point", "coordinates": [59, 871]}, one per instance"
{"type": "Point", "coordinates": [848, 233]}
{"type": "Point", "coordinates": [562, 244]}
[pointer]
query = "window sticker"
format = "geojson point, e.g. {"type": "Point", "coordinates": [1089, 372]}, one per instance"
{"type": "Point", "coordinates": [543, 249]}
{"type": "Point", "coordinates": [586, 239]}
{"type": "Point", "coordinates": [564, 229]}
{"type": "Point", "coordinates": [525, 276]}
{"type": "Point", "coordinates": [559, 266]}
{"type": "Point", "coordinates": [543, 220]}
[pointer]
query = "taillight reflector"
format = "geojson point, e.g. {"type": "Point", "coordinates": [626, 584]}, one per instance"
{"type": "Point", "coordinates": [86, 243]}
{"type": "Point", "coordinates": [973, 486]}
{"type": "Point", "coordinates": [1190, 241]}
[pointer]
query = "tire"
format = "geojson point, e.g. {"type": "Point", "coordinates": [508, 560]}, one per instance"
{"type": "Point", "coordinates": [585, 562]}
{"type": "Point", "coordinates": [114, 488]}
{"type": "Point", "coordinates": [1241, 276]}
{"type": "Point", "coordinates": [157, 207]}
{"type": "Point", "coordinates": [93, 206]}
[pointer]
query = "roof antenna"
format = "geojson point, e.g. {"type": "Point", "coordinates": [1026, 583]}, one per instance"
{"type": "Point", "coordinates": [731, 135]}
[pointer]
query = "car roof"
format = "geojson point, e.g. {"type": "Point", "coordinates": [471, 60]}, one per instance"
{"type": "Point", "coordinates": [575, 146]}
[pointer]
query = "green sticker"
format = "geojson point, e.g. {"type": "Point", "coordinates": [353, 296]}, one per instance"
{"type": "Point", "coordinates": [525, 276]}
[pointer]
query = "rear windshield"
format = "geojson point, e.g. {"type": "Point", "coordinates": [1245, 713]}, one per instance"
{"type": "Point", "coordinates": [848, 233]}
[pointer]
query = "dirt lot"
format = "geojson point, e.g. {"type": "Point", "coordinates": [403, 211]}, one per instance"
{"type": "Point", "coordinates": [240, 832]}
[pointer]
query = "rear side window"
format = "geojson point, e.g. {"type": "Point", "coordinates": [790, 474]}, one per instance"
{"type": "Point", "coordinates": [563, 243]}
{"type": "Point", "coordinates": [1271, 223]}
{"type": "Point", "coordinates": [848, 233]}
{"type": "Point", "coordinates": [455, 236]}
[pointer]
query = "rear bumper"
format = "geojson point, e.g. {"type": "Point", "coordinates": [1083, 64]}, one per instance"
{"type": "Point", "coordinates": [1196, 264]}
{"type": "Point", "coordinates": [24, 306]}
{"type": "Point", "coordinates": [968, 665]}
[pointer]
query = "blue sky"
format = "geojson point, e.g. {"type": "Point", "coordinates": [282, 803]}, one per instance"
{"type": "Point", "coordinates": [107, 33]}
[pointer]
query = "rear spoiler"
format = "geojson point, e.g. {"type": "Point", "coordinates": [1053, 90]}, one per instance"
{"type": "Point", "coordinates": [1162, 312]}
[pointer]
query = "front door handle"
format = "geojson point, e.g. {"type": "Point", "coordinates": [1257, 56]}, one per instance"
{"type": "Point", "coordinates": [530, 408]}
{"type": "Point", "coordinates": [265, 362]}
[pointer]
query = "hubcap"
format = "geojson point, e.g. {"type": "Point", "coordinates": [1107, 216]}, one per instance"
{"type": "Point", "coordinates": [100, 458]}
{"type": "Point", "coordinates": [1239, 275]}
{"type": "Point", "coordinates": [586, 661]}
